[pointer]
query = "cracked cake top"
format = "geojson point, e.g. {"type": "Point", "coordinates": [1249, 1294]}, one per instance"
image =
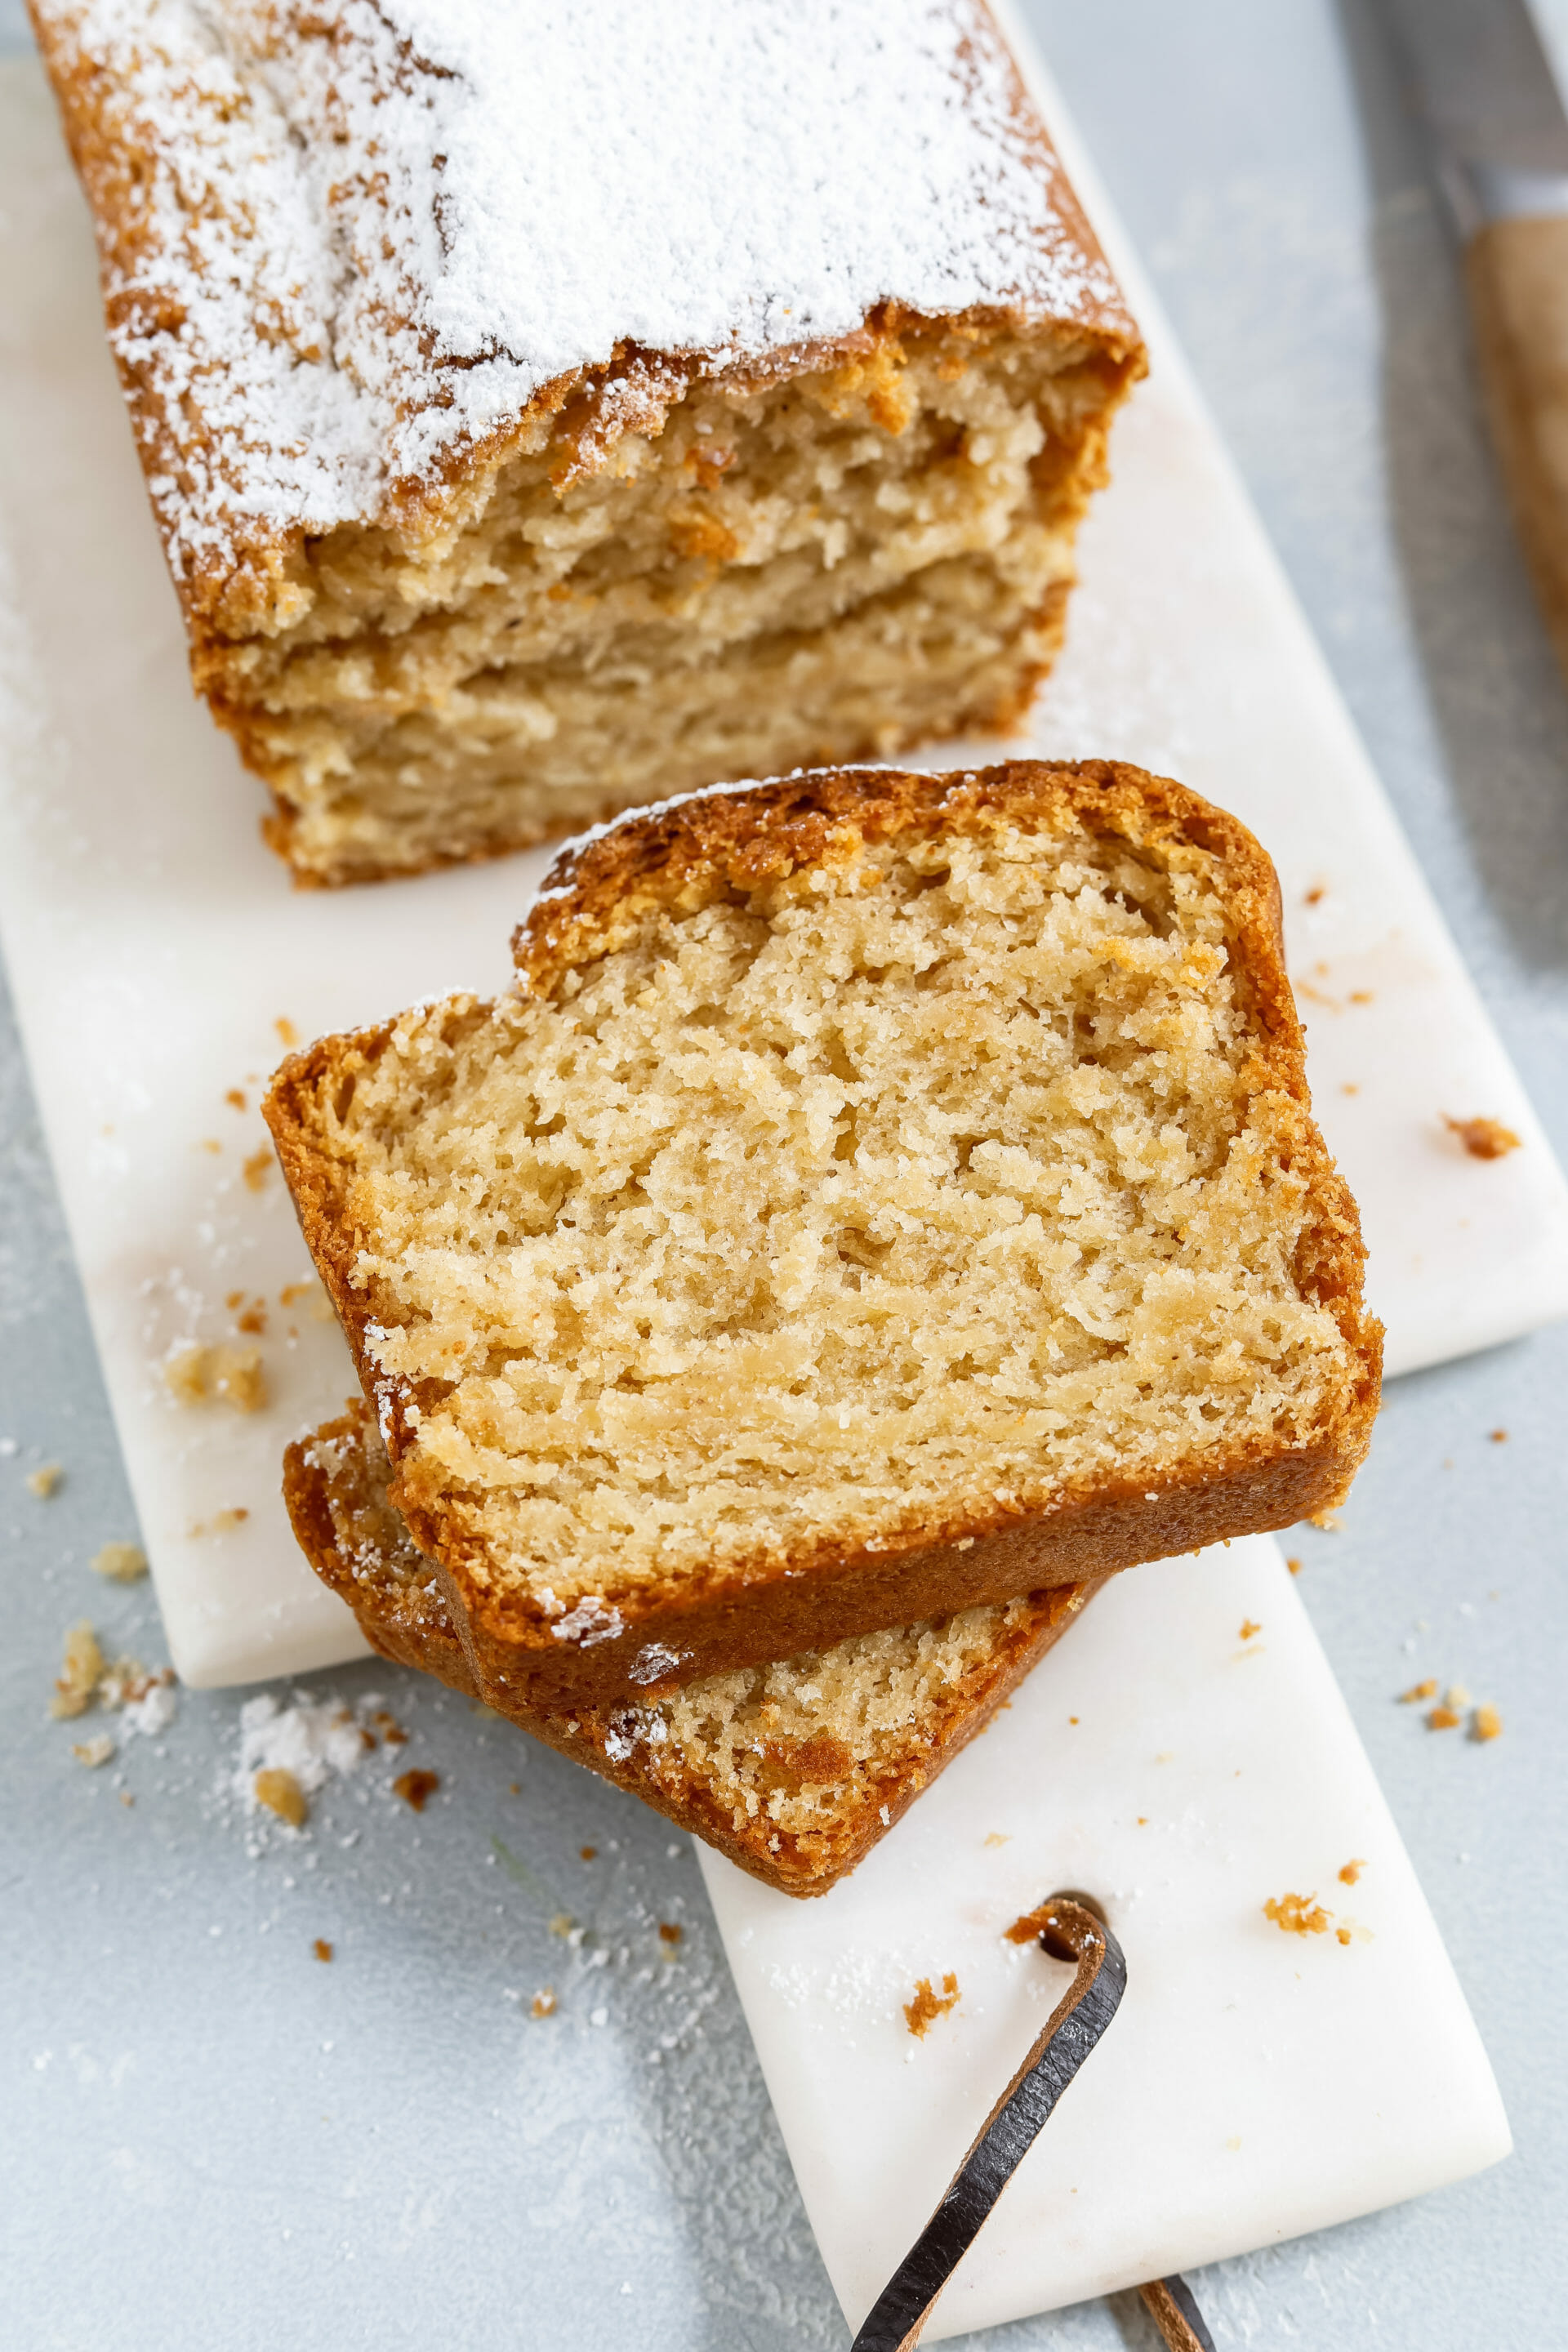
{"type": "Point", "coordinates": [348, 250]}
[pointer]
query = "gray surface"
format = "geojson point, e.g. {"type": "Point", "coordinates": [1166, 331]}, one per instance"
{"type": "Point", "coordinates": [213, 2140]}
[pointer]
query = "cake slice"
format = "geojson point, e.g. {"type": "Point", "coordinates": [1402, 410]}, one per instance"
{"type": "Point", "coordinates": [547, 409]}
{"type": "Point", "coordinates": [885, 1195]}
{"type": "Point", "coordinates": [794, 1770]}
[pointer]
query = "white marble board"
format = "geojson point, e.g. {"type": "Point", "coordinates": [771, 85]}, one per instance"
{"type": "Point", "coordinates": [1255, 2083]}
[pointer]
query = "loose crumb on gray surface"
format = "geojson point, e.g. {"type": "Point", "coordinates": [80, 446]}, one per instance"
{"type": "Point", "coordinates": [122, 1563]}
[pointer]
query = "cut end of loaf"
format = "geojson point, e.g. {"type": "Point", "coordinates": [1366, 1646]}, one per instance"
{"type": "Point", "coordinates": [866, 553]}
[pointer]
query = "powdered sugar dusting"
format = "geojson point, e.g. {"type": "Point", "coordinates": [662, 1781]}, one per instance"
{"type": "Point", "coordinates": [373, 232]}
{"type": "Point", "coordinates": [307, 1738]}
{"type": "Point", "coordinates": [593, 1620]}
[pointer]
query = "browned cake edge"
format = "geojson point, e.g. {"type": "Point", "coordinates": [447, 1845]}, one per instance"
{"type": "Point", "coordinates": [229, 591]}
{"type": "Point", "coordinates": [749, 1611]}
{"type": "Point", "coordinates": [413, 1628]}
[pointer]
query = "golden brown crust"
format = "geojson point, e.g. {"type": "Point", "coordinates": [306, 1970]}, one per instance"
{"type": "Point", "coordinates": [749, 1611]}
{"type": "Point", "coordinates": [242, 560]}
{"type": "Point", "coordinates": [230, 589]}
{"type": "Point", "coordinates": [403, 1624]}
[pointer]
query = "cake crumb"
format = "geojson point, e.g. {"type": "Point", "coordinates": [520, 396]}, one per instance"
{"type": "Point", "coordinates": [281, 1794]}
{"type": "Point", "coordinates": [391, 1731]}
{"type": "Point", "coordinates": [543, 2003]}
{"type": "Point", "coordinates": [1486, 1723]}
{"type": "Point", "coordinates": [1353, 1869]}
{"type": "Point", "coordinates": [257, 1167]}
{"type": "Point", "coordinates": [1497, 1436]}
{"type": "Point", "coordinates": [147, 1698]}
{"type": "Point", "coordinates": [1031, 1928]}
{"type": "Point", "coordinates": [1249, 1628]}
{"type": "Point", "coordinates": [195, 1374]}
{"type": "Point", "coordinates": [310, 1290]}
{"type": "Point", "coordinates": [1294, 1566]}
{"type": "Point", "coordinates": [996, 1837]}
{"type": "Point", "coordinates": [254, 1320]}
{"type": "Point", "coordinates": [927, 2006]}
{"type": "Point", "coordinates": [122, 1563]}
{"type": "Point", "coordinates": [93, 1752]}
{"type": "Point", "coordinates": [591, 1854]}
{"type": "Point", "coordinates": [1298, 1914]}
{"type": "Point", "coordinates": [76, 1685]}
{"type": "Point", "coordinates": [416, 1787]}
{"type": "Point", "coordinates": [1315, 895]}
{"type": "Point", "coordinates": [1483, 1139]}
{"type": "Point", "coordinates": [669, 1933]}
{"type": "Point", "coordinates": [1328, 1522]}
{"type": "Point", "coordinates": [321, 1948]}
{"type": "Point", "coordinates": [210, 1143]}
{"type": "Point", "coordinates": [1442, 1718]}
{"type": "Point", "coordinates": [236, 1100]}
{"type": "Point", "coordinates": [44, 1481]}
{"type": "Point", "coordinates": [1418, 1691]}
{"type": "Point", "coordinates": [287, 1033]}
{"type": "Point", "coordinates": [1457, 1696]}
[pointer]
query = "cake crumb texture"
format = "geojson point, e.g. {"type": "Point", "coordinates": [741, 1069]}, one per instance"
{"type": "Point", "coordinates": [794, 1769]}
{"type": "Point", "coordinates": [545, 409]}
{"type": "Point", "coordinates": [837, 1199]}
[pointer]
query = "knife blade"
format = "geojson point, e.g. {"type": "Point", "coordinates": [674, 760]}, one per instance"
{"type": "Point", "coordinates": [1486, 92]}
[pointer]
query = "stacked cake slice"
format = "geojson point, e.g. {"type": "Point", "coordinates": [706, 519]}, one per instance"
{"type": "Point", "coordinates": [888, 1205]}
{"type": "Point", "coordinates": [794, 1768]}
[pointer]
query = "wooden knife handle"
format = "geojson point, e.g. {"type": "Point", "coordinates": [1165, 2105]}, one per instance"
{"type": "Point", "coordinates": [1517, 275]}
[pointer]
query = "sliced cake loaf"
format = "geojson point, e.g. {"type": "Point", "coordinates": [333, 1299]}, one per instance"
{"type": "Point", "coordinates": [793, 1770]}
{"type": "Point", "coordinates": [547, 408]}
{"type": "Point", "coordinates": [885, 1194]}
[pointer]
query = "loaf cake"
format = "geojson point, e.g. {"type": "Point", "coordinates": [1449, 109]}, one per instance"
{"type": "Point", "coordinates": [545, 409]}
{"type": "Point", "coordinates": [794, 1770]}
{"type": "Point", "coordinates": [884, 1195]}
